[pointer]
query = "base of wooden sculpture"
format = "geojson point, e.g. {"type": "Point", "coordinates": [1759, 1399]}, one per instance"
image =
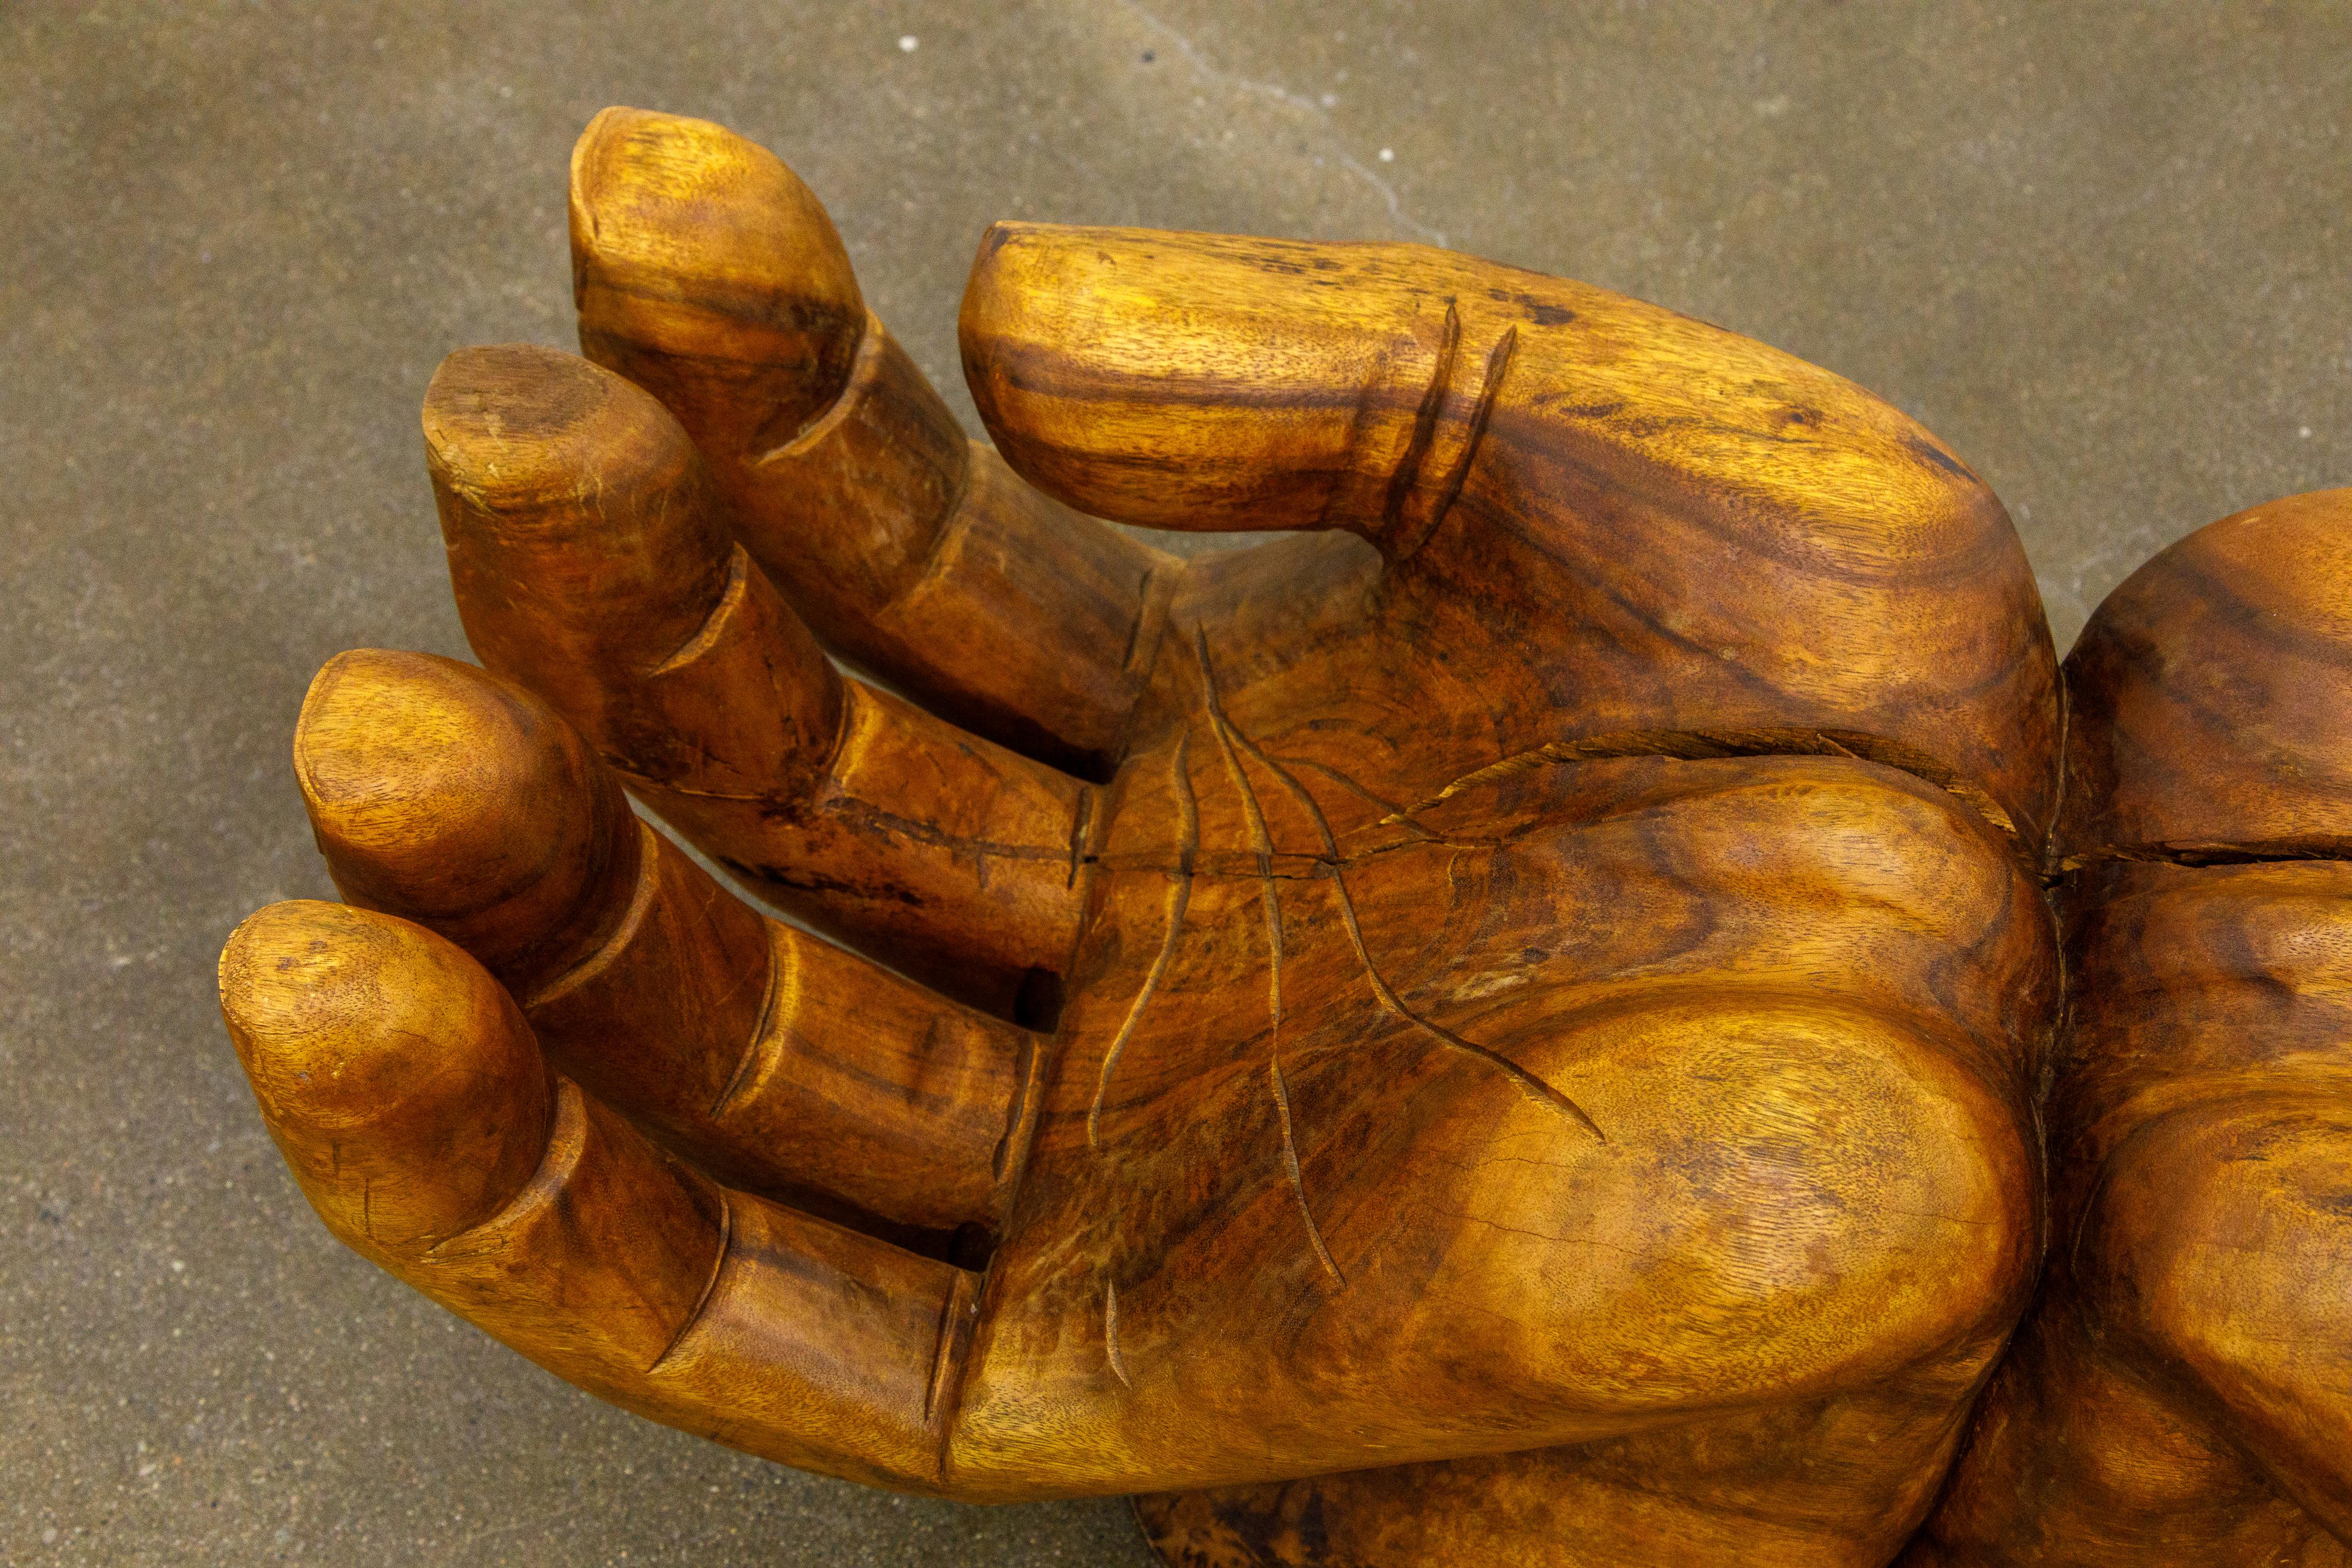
{"type": "Point", "coordinates": [1414, 1516]}
{"type": "Point", "coordinates": [1820, 1484]}
{"type": "Point", "coordinates": [1284, 1526]}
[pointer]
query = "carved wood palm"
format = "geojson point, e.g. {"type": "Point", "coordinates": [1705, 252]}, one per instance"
{"type": "Point", "coordinates": [1536, 978]}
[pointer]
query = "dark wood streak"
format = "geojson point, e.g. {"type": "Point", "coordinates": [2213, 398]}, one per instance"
{"type": "Point", "coordinates": [1498, 362]}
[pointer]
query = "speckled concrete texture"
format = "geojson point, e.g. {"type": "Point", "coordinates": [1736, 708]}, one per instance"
{"type": "Point", "coordinates": [2099, 249]}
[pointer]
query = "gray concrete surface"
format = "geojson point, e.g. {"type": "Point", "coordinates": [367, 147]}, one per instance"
{"type": "Point", "coordinates": [2101, 250]}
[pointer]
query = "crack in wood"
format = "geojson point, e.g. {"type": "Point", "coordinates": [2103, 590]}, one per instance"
{"type": "Point", "coordinates": [1110, 1333]}
{"type": "Point", "coordinates": [1290, 1163]}
{"type": "Point", "coordinates": [865, 817]}
{"type": "Point", "coordinates": [1389, 811]}
{"type": "Point", "coordinates": [2202, 853]}
{"type": "Point", "coordinates": [1711, 745]}
{"type": "Point", "coordinates": [1179, 894]}
{"type": "Point", "coordinates": [1527, 1082]}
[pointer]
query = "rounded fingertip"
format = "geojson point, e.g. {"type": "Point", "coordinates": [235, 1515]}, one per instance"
{"type": "Point", "coordinates": [2206, 695]}
{"type": "Point", "coordinates": [580, 523]}
{"type": "Point", "coordinates": [1000, 292]}
{"type": "Point", "coordinates": [1010, 335]}
{"type": "Point", "coordinates": [520, 427]}
{"type": "Point", "coordinates": [1189, 380]}
{"type": "Point", "coordinates": [704, 269]}
{"type": "Point", "coordinates": [396, 1076]}
{"type": "Point", "coordinates": [441, 794]}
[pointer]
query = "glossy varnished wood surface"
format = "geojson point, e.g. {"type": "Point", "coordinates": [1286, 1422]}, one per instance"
{"type": "Point", "coordinates": [2183, 1391]}
{"type": "Point", "coordinates": [2210, 697]}
{"type": "Point", "coordinates": [1600, 517]}
{"type": "Point", "coordinates": [1505, 1026]}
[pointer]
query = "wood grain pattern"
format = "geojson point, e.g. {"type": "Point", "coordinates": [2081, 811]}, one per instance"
{"type": "Point", "coordinates": [590, 563]}
{"type": "Point", "coordinates": [445, 795]}
{"type": "Point", "coordinates": [2210, 700]}
{"type": "Point", "coordinates": [1623, 520]}
{"type": "Point", "coordinates": [2184, 1390]}
{"type": "Point", "coordinates": [1501, 1027]}
{"type": "Point", "coordinates": [707, 273]}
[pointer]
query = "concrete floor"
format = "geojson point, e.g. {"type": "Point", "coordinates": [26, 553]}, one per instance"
{"type": "Point", "coordinates": [2100, 251]}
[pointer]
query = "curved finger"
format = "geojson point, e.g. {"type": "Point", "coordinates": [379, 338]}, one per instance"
{"type": "Point", "coordinates": [590, 564]}
{"type": "Point", "coordinates": [2208, 695]}
{"type": "Point", "coordinates": [767, 1057]}
{"type": "Point", "coordinates": [405, 1091]}
{"type": "Point", "coordinates": [1691, 531]}
{"type": "Point", "coordinates": [705, 271]}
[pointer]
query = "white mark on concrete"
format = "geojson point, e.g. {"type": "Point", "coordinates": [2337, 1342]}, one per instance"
{"type": "Point", "coordinates": [909, 43]}
{"type": "Point", "coordinates": [1319, 113]}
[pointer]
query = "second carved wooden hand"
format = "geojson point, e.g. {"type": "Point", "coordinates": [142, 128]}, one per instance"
{"type": "Point", "coordinates": [1533, 981]}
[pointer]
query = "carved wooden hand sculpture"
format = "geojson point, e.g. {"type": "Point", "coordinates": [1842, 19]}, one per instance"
{"type": "Point", "coordinates": [2184, 1392]}
{"type": "Point", "coordinates": [1534, 980]}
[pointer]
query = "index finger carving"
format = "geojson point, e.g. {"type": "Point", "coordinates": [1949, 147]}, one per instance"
{"type": "Point", "coordinates": [706, 272]}
{"type": "Point", "coordinates": [591, 563]}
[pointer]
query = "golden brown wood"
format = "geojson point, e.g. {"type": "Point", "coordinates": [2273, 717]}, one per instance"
{"type": "Point", "coordinates": [2183, 1393]}
{"type": "Point", "coordinates": [1600, 517]}
{"type": "Point", "coordinates": [2210, 699]}
{"type": "Point", "coordinates": [446, 796]}
{"type": "Point", "coordinates": [1501, 1029]}
{"type": "Point", "coordinates": [706, 272]}
{"type": "Point", "coordinates": [591, 562]}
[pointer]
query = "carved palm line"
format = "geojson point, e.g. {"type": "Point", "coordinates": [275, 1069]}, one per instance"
{"type": "Point", "coordinates": [1233, 741]}
{"type": "Point", "coordinates": [1406, 532]}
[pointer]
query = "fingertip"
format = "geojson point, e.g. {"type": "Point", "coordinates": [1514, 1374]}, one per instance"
{"type": "Point", "coordinates": [593, 562]}
{"type": "Point", "coordinates": [639, 177]}
{"type": "Point", "coordinates": [516, 427]}
{"type": "Point", "coordinates": [2206, 693]}
{"type": "Point", "coordinates": [580, 520]}
{"type": "Point", "coordinates": [991, 306]}
{"type": "Point", "coordinates": [441, 794]}
{"type": "Point", "coordinates": [699, 260]}
{"type": "Point", "coordinates": [1002, 290]}
{"type": "Point", "coordinates": [399, 1079]}
{"type": "Point", "coordinates": [1198, 381]}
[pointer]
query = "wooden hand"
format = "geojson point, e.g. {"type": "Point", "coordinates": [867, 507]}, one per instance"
{"type": "Point", "coordinates": [1533, 979]}
{"type": "Point", "coordinates": [2183, 1393]}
